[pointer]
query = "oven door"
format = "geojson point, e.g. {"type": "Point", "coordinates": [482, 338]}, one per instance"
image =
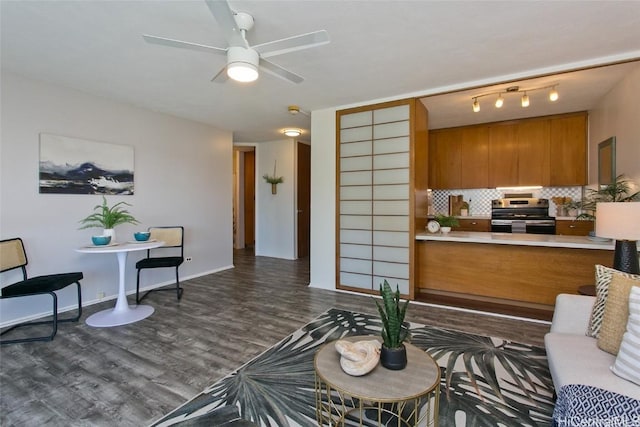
{"type": "Point", "coordinates": [501, 225]}
{"type": "Point", "coordinates": [542, 226]}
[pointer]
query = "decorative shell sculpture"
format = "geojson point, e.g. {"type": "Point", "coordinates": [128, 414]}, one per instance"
{"type": "Point", "coordinates": [358, 358]}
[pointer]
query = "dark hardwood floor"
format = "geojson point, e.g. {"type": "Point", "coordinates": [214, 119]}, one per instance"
{"type": "Point", "coordinates": [132, 375]}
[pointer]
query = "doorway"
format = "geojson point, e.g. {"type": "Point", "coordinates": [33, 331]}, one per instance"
{"type": "Point", "coordinates": [244, 203]}
{"type": "Point", "coordinates": [304, 198]}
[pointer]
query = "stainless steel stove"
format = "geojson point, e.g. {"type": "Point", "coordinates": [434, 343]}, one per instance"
{"type": "Point", "coordinates": [522, 215]}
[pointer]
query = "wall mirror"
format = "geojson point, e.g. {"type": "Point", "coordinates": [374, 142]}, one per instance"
{"type": "Point", "coordinates": [607, 161]}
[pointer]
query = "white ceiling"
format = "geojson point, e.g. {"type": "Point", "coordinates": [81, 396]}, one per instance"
{"type": "Point", "coordinates": [378, 50]}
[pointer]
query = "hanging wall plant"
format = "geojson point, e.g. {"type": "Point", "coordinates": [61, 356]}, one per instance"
{"type": "Point", "coordinates": [274, 180]}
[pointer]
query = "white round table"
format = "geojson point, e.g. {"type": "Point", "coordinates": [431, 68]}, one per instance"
{"type": "Point", "coordinates": [122, 313]}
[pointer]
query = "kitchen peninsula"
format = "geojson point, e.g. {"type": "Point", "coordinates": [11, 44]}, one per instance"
{"type": "Point", "coordinates": [521, 271]}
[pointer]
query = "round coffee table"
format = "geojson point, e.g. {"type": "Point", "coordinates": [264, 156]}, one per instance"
{"type": "Point", "coordinates": [408, 397]}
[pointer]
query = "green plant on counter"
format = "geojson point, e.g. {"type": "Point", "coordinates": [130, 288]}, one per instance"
{"type": "Point", "coordinates": [108, 217]}
{"type": "Point", "coordinates": [447, 221]}
{"type": "Point", "coordinates": [392, 312]}
{"type": "Point", "coordinates": [618, 191]}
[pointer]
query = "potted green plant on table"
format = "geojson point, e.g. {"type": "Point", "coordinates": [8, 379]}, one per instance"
{"type": "Point", "coordinates": [108, 217]}
{"type": "Point", "coordinates": [446, 222]}
{"type": "Point", "coordinates": [617, 191]}
{"type": "Point", "coordinates": [393, 354]}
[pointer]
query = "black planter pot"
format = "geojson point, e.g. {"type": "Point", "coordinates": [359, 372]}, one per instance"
{"type": "Point", "coordinates": [394, 358]}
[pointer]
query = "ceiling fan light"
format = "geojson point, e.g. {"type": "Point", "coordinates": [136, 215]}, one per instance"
{"type": "Point", "coordinates": [476, 105]}
{"type": "Point", "coordinates": [242, 72]}
{"type": "Point", "coordinates": [242, 64]}
{"type": "Point", "coordinates": [292, 132]}
{"type": "Point", "coordinates": [553, 95]}
{"type": "Point", "coordinates": [499, 101]}
{"type": "Point", "coordinates": [525, 100]}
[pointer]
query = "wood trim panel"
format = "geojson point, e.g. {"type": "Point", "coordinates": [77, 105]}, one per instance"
{"type": "Point", "coordinates": [527, 274]}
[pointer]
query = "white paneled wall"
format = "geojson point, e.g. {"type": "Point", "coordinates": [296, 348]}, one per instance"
{"type": "Point", "coordinates": [374, 161]}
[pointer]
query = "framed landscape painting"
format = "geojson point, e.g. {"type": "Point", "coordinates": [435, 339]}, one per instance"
{"type": "Point", "coordinates": [79, 166]}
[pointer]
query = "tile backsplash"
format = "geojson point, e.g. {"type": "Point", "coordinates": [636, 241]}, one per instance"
{"type": "Point", "coordinates": [480, 199]}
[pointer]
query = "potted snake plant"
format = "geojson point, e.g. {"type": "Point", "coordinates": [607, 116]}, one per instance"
{"type": "Point", "coordinates": [393, 354]}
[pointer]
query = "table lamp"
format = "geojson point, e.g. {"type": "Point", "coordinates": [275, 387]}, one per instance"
{"type": "Point", "coordinates": [621, 221]}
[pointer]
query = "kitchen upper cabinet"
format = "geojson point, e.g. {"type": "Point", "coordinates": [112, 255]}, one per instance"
{"type": "Point", "coordinates": [533, 152]}
{"type": "Point", "coordinates": [444, 158]}
{"type": "Point", "coordinates": [459, 158]}
{"type": "Point", "coordinates": [547, 151]}
{"type": "Point", "coordinates": [474, 157]}
{"type": "Point", "coordinates": [568, 150]}
{"type": "Point", "coordinates": [503, 154]}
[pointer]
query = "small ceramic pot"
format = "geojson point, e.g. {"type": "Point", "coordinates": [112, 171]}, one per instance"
{"type": "Point", "coordinates": [394, 358]}
{"type": "Point", "coordinates": [445, 230]}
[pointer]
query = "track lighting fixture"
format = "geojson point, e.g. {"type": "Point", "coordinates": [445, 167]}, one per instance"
{"type": "Point", "coordinates": [524, 100]}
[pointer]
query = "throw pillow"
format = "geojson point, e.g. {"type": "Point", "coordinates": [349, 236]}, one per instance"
{"type": "Point", "coordinates": [603, 278]}
{"type": "Point", "coordinates": [616, 313]}
{"type": "Point", "coordinates": [627, 364]}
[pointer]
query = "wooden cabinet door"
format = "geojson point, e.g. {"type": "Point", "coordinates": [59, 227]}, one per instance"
{"type": "Point", "coordinates": [474, 157]}
{"type": "Point", "coordinates": [533, 152]}
{"type": "Point", "coordinates": [503, 155]}
{"type": "Point", "coordinates": [444, 158]}
{"type": "Point", "coordinates": [473, 225]}
{"type": "Point", "coordinates": [568, 150]}
{"type": "Point", "coordinates": [574, 228]}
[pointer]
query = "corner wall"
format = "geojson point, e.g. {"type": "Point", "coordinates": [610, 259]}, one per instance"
{"type": "Point", "coordinates": [617, 115]}
{"type": "Point", "coordinates": [183, 176]}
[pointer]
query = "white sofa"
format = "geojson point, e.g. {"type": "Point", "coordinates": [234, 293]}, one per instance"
{"type": "Point", "coordinates": [575, 358]}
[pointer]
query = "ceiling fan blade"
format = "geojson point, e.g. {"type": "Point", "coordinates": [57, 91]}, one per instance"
{"type": "Point", "coordinates": [222, 76]}
{"type": "Point", "coordinates": [291, 44]}
{"type": "Point", "coordinates": [183, 45]}
{"type": "Point", "coordinates": [225, 17]}
{"type": "Point", "coordinates": [278, 71]}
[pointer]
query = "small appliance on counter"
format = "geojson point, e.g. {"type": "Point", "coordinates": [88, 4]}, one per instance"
{"type": "Point", "coordinates": [522, 215]}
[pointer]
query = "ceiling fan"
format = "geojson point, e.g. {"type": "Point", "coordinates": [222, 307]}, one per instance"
{"type": "Point", "coordinates": [243, 60]}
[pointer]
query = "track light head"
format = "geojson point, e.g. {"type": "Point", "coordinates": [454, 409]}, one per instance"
{"type": "Point", "coordinates": [499, 101]}
{"type": "Point", "coordinates": [476, 105]}
{"type": "Point", "coordinates": [553, 95]}
{"type": "Point", "coordinates": [525, 100]}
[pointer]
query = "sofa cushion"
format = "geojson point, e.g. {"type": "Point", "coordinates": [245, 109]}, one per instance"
{"type": "Point", "coordinates": [627, 364]}
{"type": "Point", "coordinates": [616, 314]}
{"type": "Point", "coordinates": [576, 359]}
{"type": "Point", "coordinates": [603, 279]}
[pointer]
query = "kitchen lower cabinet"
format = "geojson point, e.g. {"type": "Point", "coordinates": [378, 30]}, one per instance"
{"type": "Point", "coordinates": [473, 225]}
{"type": "Point", "coordinates": [574, 227]}
{"type": "Point", "coordinates": [518, 275]}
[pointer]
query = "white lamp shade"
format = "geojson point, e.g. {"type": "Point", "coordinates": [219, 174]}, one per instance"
{"type": "Point", "coordinates": [619, 221]}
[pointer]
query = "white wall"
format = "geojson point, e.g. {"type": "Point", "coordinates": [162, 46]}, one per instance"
{"type": "Point", "coordinates": [617, 114]}
{"type": "Point", "coordinates": [275, 213]}
{"type": "Point", "coordinates": [183, 176]}
{"type": "Point", "coordinates": [323, 199]}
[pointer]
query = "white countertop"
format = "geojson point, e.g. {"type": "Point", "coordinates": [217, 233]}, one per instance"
{"type": "Point", "coordinates": [554, 241]}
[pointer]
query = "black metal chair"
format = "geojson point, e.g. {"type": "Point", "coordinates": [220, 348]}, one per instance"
{"type": "Point", "coordinates": [173, 238]}
{"type": "Point", "coordinates": [13, 256]}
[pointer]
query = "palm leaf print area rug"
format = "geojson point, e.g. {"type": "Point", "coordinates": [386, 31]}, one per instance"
{"type": "Point", "coordinates": [484, 381]}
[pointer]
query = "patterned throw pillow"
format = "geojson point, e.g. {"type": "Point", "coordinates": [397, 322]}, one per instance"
{"type": "Point", "coordinates": [603, 278]}
{"type": "Point", "coordinates": [627, 364]}
{"type": "Point", "coordinates": [616, 313]}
